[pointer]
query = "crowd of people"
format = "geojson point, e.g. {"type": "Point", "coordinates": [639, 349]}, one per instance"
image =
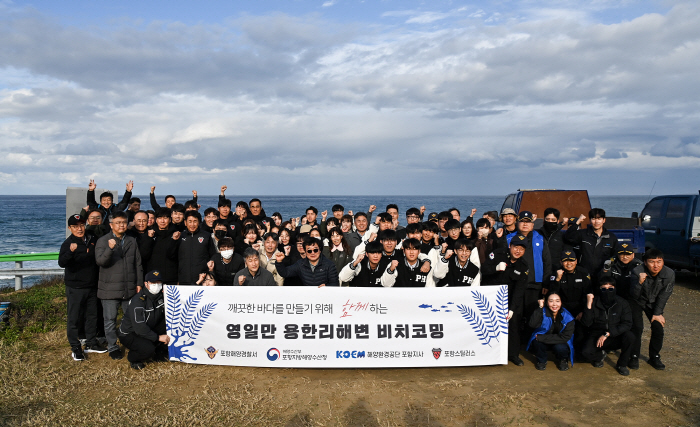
{"type": "Point", "coordinates": [576, 292]}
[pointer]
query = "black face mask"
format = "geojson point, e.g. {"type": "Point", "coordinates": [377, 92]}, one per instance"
{"type": "Point", "coordinates": [550, 227]}
{"type": "Point", "coordinates": [607, 297]}
{"type": "Point", "coordinates": [220, 234]}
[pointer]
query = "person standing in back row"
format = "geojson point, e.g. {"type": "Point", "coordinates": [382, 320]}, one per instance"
{"type": "Point", "coordinates": [596, 244]}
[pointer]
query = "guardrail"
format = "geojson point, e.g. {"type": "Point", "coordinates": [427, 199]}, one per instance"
{"type": "Point", "coordinates": [19, 271]}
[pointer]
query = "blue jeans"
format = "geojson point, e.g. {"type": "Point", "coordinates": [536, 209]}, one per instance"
{"type": "Point", "coordinates": [110, 308]}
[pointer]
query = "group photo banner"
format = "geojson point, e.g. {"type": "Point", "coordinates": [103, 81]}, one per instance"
{"type": "Point", "coordinates": [302, 327]}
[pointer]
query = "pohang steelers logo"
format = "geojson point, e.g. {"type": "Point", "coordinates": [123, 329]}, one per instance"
{"type": "Point", "coordinates": [273, 354]}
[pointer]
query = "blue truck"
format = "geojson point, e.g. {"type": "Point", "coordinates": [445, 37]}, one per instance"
{"type": "Point", "coordinates": [672, 224]}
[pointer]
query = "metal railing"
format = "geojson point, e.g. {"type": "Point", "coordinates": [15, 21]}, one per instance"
{"type": "Point", "coordinates": [19, 271]}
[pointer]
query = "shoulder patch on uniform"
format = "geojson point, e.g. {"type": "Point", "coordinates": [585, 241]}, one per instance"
{"type": "Point", "coordinates": [552, 278]}
{"type": "Point", "coordinates": [491, 255]}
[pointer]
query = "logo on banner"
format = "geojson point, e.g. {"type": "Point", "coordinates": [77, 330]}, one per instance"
{"type": "Point", "coordinates": [201, 239]}
{"type": "Point", "coordinates": [436, 353]}
{"type": "Point", "coordinates": [273, 354]}
{"type": "Point", "coordinates": [340, 354]}
{"type": "Point", "coordinates": [211, 351]}
{"type": "Point", "coordinates": [185, 321]}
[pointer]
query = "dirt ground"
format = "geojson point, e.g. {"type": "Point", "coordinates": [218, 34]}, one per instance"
{"type": "Point", "coordinates": [43, 386]}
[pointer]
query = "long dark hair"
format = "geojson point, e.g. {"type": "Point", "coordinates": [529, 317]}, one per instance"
{"type": "Point", "coordinates": [343, 242]}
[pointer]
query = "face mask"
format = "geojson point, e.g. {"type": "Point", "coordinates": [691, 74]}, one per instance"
{"type": "Point", "coordinates": [550, 226]}
{"type": "Point", "coordinates": [607, 296]}
{"type": "Point", "coordinates": [154, 288]}
{"type": "Point", "coordinates": [228, 253]}
{"type": "Point", "coordinates": [220, 234]}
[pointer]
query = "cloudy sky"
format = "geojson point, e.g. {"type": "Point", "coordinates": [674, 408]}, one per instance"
{"type": "Point", "coordinates": [350, 97]}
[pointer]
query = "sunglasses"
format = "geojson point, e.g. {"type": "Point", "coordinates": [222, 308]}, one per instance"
{"type": "Point", "coordinates": [312, 251]}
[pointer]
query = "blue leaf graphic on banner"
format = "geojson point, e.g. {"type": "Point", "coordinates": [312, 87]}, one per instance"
{"type": "Point", "coordinates": [502, 309]}
{"type": "Point", "coordinates": [477, 325]}
{"type": "Point", "coordinates": [184, 322]}
{"type": "Point", "coordinates": [425, 306]}
{"type": "Point", "coordinates": [487, 314]}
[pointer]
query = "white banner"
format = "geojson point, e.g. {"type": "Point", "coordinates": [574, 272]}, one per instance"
{"type": "Point", "coordinates": [300, 327]}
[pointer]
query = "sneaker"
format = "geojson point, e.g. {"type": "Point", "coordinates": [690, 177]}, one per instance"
{"type": "Point", "coordinates": [655, 363]}
{"type": "Point", "coordinates": [137, 365]}
{"type": "Point", "coordinates": [116, 354]}
{"type": "Point", "coordinates": [563, 365]}
{"type": "Point", "coordinates": [541, 366]}
{"type": "Point", "coordinates": [96, 348]}
{"type": "Point", "coordinates": [622, 370]}
{"type": "Point", "coordinates": [516, 361]}
{"type": "Point", "coordinates": [598, 364]}
{"type": "Point", "coordinates": [633, 363]}
{"type": "Point", "coordinates": [102, 341]}
{"type": "Point", "coordinates": [78, 355]}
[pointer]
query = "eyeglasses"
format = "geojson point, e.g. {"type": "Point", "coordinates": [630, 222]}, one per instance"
{"type": "Point", "coordinates": [312, 251]}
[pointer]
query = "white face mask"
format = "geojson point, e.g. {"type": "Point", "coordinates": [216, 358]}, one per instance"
{"type": "Point", "coordinates": [228, 253]}
{"type": "Point", "coordinates": [154, 288]}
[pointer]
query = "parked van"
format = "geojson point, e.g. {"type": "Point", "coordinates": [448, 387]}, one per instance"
{"type": "Point", "coordinates": [672, 225]}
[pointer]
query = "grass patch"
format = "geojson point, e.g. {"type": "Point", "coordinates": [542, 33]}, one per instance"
{"type": "Point", "coordinates": [39, 309]}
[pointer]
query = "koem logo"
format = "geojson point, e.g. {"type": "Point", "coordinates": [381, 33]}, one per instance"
{"type": "Point", "coordinates": [349, 354]}
{"type": "Point", "coordinates": [273, 354]}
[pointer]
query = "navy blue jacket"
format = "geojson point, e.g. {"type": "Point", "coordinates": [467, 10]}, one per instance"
{"type": "Point", "coordinates": [324, 273]}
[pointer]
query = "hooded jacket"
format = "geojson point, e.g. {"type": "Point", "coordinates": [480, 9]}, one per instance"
{"type": "Point", "coordinates": [145, 316]}
{"type": "Point", "coordinates": [617, 319]}
{"type": "Point", "coordinates": [542, 321]}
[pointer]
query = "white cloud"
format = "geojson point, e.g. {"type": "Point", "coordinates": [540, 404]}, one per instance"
{"type": "Point", "coordinates": [281, 98]}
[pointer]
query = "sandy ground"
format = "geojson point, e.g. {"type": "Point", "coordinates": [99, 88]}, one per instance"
{"type": "Point", "coordinates": [45, 387]}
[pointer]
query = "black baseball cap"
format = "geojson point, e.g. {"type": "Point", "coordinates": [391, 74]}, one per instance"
{"type": "Point", "coordinates": [625, 248]}
{"type": "Point", "coordinates": [75, 219]}
{"type": "Point", "coordinates": [568, 256]}
{"type": "Point", "coordinates": [433, 216]}
{"type": "Point", "coordinates": [153, 277]}
{"type": "Point", "coordinates": [519, 240]}
{"type": "Point", "coordinates": [525, 216]}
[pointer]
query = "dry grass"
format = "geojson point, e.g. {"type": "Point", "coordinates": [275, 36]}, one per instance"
{"type": "Point", "coordinates": [41, 385]}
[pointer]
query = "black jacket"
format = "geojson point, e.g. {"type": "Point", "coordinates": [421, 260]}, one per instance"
{"type": "Point", "coordinates": [164, 256]}
{"type": "Point", "coordinates": [555, 242]}
{"type": "Point", "coordinates": [655, 291]}
{"type": "Point", "coordinates": [225, 272]}
{"type": "Point", "coordinates": [324, 273]}
{"type": "Point", "coordinates": [593, 252]}
{"type": "Point", "coordinates": [196, 249]}
{"type": "Point", "coordinates": [458, 276]}
{"type": "Point", "coordinates": [573, 289]}
{"type": "Point", "coordinates": [116, 207]}
{"type": "Point", "coordinates": [145, 316]}
{"type": "Point", "coordinates": [81, 269]}
{"type": "Point", "coordinates": [366, 277]}
{"type": "Point", "coordinates": [339, 258]}
{"type": "Point", "coordinates": [617, 319]}
{"type": "Point", "coordinates": [621, 273]}
{"type": "Point", "coordinates": [144, 242]}
{"type": "Point", "coordinates": [515, 276]}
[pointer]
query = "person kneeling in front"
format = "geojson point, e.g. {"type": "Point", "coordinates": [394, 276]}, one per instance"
{"type": "Point", "coordinates": [554, 330]}
{"type": "Point", "coordinates": [609, 320]}
{"type": "Point", "coordinates": [143, 327]}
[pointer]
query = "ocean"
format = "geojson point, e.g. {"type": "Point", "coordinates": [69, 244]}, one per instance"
{"type": "Point", "coordinates": [35, 224]}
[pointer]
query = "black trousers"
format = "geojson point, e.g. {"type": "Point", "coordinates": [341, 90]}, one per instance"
{"type": "Point", "coordinates": [141, 348]}
{"type": "Point", "coordinates": [623, 342]}
{"type": "Point", "coordinates": [81, 313]}
{"type": "Point", "coordinates": [561, 351]}
{"type": "Point", "coordinates": [657, 331]}
{"type": "Point", "coordinates": [514, 325]}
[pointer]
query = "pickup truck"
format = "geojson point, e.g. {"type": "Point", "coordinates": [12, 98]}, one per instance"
{"type": "Point", "coordinates": [572, 203]}
{"type": "Point", "coordinates": [672, 225]}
